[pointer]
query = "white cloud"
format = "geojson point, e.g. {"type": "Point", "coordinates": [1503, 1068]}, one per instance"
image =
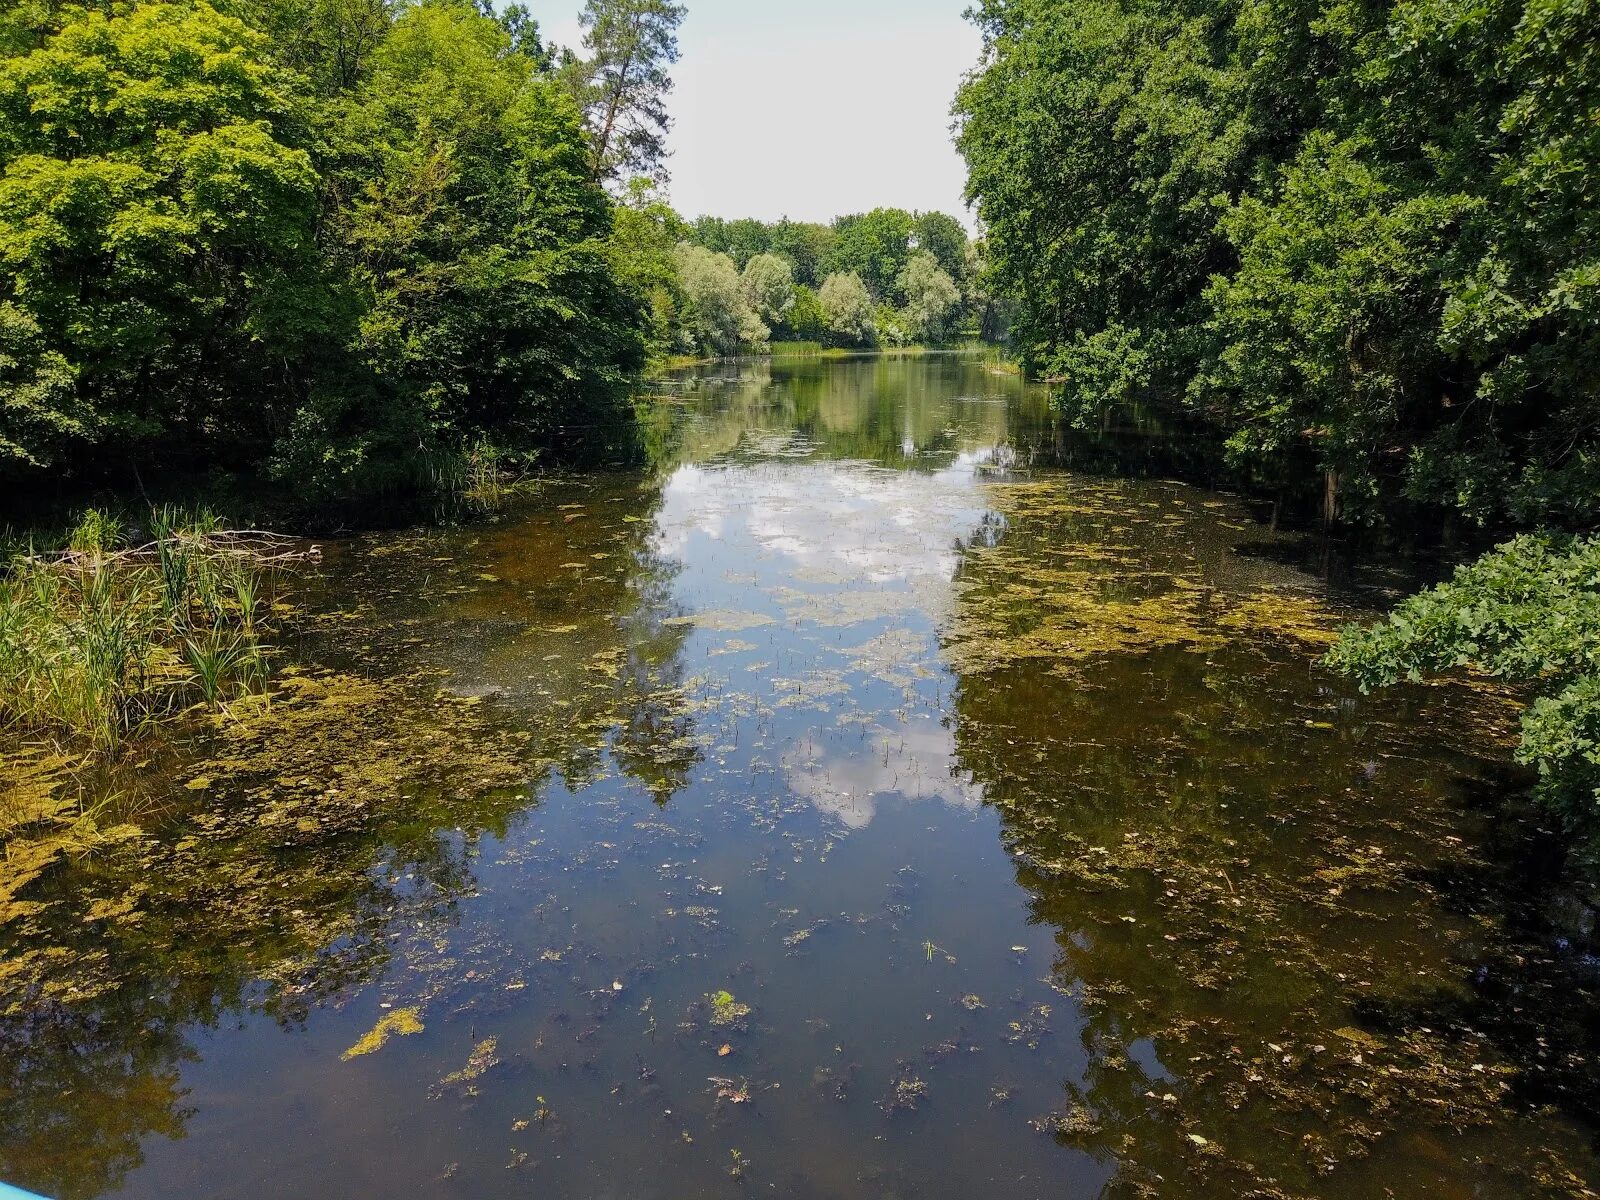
{"type": "Point", "coordinates": [917, 761]}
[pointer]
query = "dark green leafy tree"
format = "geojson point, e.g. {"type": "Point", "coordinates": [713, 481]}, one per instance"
{"type": "Point", "coordinates": [942, 236]}
{"type": "Point", "coordinates": [806, 246]}
{"type": "Point", "coordinates": [331, 43]}
{"type": "Point", "coordinates": [157, 226]}
{"type": "Point", "coordinates": [807, 321]}
{"type": "Point", "coordinates": [746, 239]}
{"type": "Point", "coordinates": [645, 235]}
{"type": "Point", "coordinates": [875, 247]}
{"type": "Point", "coordinates": [1360, 239]}
{"type": "Point", "coordinates": [477, 247]}
{"type": "Point", "coordinates": [347, 242]}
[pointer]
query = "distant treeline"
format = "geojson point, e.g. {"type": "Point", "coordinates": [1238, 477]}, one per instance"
{"type": "Point", "coordinates": [884, 278]}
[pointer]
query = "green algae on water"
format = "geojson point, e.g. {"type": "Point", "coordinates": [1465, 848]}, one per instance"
{"type": "Point", "coordinates": [402, 1022]}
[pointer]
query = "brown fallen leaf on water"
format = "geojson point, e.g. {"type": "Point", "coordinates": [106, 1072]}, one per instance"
{"type": "Point", "coordinates": [724, 1050]}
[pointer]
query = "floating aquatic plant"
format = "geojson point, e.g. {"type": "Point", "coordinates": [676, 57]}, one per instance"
{"type": "Point", "coordinates": [402, 1022]}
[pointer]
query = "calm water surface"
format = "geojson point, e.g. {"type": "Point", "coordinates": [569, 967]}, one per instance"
{"type": "Point", "coordinates": [911, 805]}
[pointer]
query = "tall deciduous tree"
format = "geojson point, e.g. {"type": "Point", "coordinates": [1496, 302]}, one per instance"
{"type": "Point", "coordinates": [942, 236]}
{"type": "Point", "coordinates": [624, 82]}
{"type": "Point", "coordinates": [717, 318]}
{"type": "Point", "coordinates": [932, 299]}
{"type": "Point", "coordinates": [769, 287]}
{"type": "Point", "coordinates": [873, 246]}
{"type": "Point", "coordinates": [155, 220]}
{"type": "Point", "coordinates": [847, 306]}
{"type": "Point", "coordinates": [337, 241]}
{"type": "Point", "coordinates": [1362, 243]}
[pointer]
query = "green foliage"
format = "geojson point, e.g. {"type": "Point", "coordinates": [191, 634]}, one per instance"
{"type": "Point", "coordinates": [478, 248]}
{"type": "Point", "coordinates": [153, 220]}
{"type": "Point", "coordinates": [717, 316]}
{"type": "Point", "coordinates": [643, 248]}
{"type": "Point", "coordinates": [40, 411]}
{"type": "Point", "coordinates": [889, 251]}
{"type": "Point", "coordinates": [1360, 239]}
{"type": "Point", "coordinates": [1363, 243]}
{"type": "Point", "coordinates": [768, 283]}
{"type": "Point", "coordinates": [340, 240]}
{"type": "Point", "coordinates": [1529, 612]}
{"type": "Point", "coordinates": [848, 310]}
{"type": "Point", "coordinates": [932, 300]}
{"type": "Point", "coordinates": [741, 240]}
{"type": "Point", "coordinates": [807, 320]}
{"type": "Point", "coordinates": [874, 246]}
{"type": "Point", "coordinates": [623, 85]}
{"type": "Point", "coordinates": [942, 236]}
{"type": "Point", "coordinates": [806, 246]}
{"type": "Point", "coordinates": [1324, 329]}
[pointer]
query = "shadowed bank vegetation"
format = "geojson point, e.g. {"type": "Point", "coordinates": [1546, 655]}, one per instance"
{"type": "Point", "coordinates": [337, 247]}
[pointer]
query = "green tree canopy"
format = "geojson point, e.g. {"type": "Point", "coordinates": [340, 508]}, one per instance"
{"type": "Point", "coordinates": [157, 219]}
{"type": "Point", "coordinates": [874, 247]}
{"type": "Point", "coordinates": [806, 246]}
{"type": "Point", "coordinates": [624, 82]}
{"type": "Point", "coordinates": [942, 236]}
{"type": "Point", "coordinates": [768, 283]}
{"type": "Point", "coordinates": [342, 240]}
{"type": "Point", "coordinates": [1357, 238]}
{"type": "Point", "coordinates": [717, 317]}
{"type": "Point", "coordinates": [932, 298]}
{"type": "Point", "coordinates": [847, 307]}
{"type": "Point", "coordinates": [1362, 243]}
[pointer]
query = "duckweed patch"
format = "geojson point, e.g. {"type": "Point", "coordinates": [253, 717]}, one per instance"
{"type": "Point", "coordinates": [725, 1010]}
{"type": "Point", "coordinates": [402, 1022]}
{"type": "Point", "coordinates": [326, 757]}
{"type": "Point", "coordinates": [1082, 572]}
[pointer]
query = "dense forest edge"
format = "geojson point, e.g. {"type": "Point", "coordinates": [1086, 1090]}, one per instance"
{"type": "Point", "coordinates": [1360, 244]}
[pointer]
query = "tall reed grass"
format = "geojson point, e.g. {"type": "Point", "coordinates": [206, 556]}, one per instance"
{"type": "Point", "coordinates": [106, 637]}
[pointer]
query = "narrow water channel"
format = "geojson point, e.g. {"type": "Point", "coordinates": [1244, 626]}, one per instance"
{"type": "Point", "coordinates": [885, 794]}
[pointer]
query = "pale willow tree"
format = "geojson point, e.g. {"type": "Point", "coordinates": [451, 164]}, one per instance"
{"type": "Point", "coordinates": [847, 307]}
{"type": "Point", "coordinates": [769, 287]}
{"type": "Point", "coordinates": [932, 299]}
{"type": "Point", "coordinates": [624, 82]}
{"type": "Point", "coordinates": [716, 317]}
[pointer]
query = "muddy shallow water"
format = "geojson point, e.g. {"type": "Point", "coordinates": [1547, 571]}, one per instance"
{"type": "Point", "coordinates": [887, 794]}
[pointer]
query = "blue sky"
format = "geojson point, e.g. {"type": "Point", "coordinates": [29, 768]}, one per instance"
{"type": "Point", "coordinates": [811, 108]}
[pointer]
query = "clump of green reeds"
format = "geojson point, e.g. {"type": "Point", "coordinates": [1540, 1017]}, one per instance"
{"type": "Point", "coordinates": [111, 634]}
{"type": "Point", "coordinates": [795, 349]}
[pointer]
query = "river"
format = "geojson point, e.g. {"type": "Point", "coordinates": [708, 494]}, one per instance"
{"type": "Point", "coordinates": [886, 793]}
